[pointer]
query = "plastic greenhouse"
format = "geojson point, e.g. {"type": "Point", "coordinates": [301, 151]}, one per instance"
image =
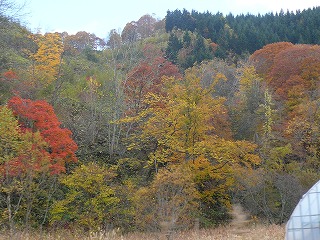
{"type": "Point", "coordinates": [304, 222]}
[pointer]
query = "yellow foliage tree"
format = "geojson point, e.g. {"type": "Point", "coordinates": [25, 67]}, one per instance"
{"type": "Point", "coordinates": [181, 120]}
{"type": "Point", "coordinates": [180, 128]}
{"type": "Point", "coordinates": [90, 202]}
{"type": "Point", "coordinates": [172, 200]}
{"type": "Point", "coordinates": [47, 59]}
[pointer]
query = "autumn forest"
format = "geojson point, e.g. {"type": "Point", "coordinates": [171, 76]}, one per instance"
{"type": "Point", "coordinates": [167, 123]}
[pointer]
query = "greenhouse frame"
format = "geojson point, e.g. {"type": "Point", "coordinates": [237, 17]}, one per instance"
{"type": "Point", "coordinates": [304, 223]}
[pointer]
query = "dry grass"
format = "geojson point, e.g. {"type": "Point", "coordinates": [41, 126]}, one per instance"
{"type": "Point", "coordinates": [241, 227]}
{"type": "Point", "coordinates": [272, 232]}
{"type": "Point", "coordinates": [259, 232]}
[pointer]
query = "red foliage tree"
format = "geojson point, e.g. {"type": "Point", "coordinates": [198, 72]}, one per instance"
{"type": "Point", "coordinates": [9, 75]}
{"type": "Point", "coordinates": [34, 159]}
{"type": "Point", "coordinates": [147, 78]}
{"type": "Point", "coordinates": [39, 116]}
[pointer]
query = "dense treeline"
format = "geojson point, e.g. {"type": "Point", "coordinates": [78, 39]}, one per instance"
{"type": "Point", "coordinates": [247, 33]}
{"type": "Point", "coordinates": [100, 135]}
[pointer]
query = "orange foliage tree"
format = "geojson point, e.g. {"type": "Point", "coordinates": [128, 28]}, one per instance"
{"type": "Point", "coordinates": [289, 68]}
{"type": "Point", "coordinates": [263, 59]}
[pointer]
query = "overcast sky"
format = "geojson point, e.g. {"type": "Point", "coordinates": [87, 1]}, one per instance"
{"type": "Point", "coordinates": [100, 16]}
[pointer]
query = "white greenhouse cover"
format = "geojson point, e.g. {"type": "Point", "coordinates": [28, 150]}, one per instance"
{"type": "Point", "coordinates": [304, 223]}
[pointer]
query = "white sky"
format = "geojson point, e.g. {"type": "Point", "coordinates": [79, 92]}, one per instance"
{"type": "Point", "coordinates": [100, 16]}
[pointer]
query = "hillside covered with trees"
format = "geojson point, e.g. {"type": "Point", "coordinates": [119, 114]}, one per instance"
{"type": "Point", "coordinates": [168, 123]}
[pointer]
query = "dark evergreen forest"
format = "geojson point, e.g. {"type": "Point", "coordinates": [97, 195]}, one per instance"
{"type": "Point", "coordinates": [244, 34]}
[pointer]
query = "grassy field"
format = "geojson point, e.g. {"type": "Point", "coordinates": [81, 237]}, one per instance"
{"type": "Point", "coordinates": [261, 232]}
